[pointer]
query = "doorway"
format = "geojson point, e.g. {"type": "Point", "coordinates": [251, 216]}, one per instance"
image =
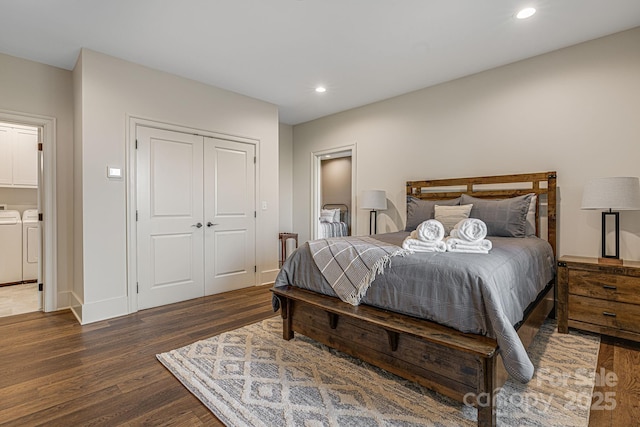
{"type": "Point", "coordinates": [20, 248]}
{"type": "Point", "coordinates": [334, 173]}
{"type": "Point", "coordinates": [195, 209]}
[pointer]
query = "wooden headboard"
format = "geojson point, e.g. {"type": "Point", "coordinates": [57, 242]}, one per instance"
{"type": "Point", "coordinates": [497, 187]}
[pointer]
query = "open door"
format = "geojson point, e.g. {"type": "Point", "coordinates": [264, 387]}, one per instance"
{"type": "Point", "coordinates": [38, 171]}
{"type": "Point", "coordinates": [333, 171]}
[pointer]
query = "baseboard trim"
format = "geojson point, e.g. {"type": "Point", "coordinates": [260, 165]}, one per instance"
{"type": "Point", "coordinates": [103, 310]}
{"type": "Point", "coordinates": [268, 276]}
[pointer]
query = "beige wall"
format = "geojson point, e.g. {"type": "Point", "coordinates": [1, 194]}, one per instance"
{"type": "Point", "coordinates": [574, 110]}
{"type": "Point", "coordinates": [336, 181]}
{"type": "Point", "coordinates": [91, 233]}
{"type": "Point", "coordinates": [111, 91]}
{"type": "Point", "coordinates": [19, 199]}
{"type": "Point", "coordinates": [285, 176]}
{"type": "Point", "coordinates": [37, 89]}
{"type": "Point", "coordinates": [78, 283]}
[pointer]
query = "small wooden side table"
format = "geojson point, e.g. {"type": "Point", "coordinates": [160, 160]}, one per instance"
{"type": "Point", "coordinates": [283, 244]}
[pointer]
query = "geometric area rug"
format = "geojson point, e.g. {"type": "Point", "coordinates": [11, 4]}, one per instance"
{"type": "Point", "coordinates": [252, 377]}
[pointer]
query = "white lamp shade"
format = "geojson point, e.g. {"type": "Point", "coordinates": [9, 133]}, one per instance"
{"type": "Point", "coordinates": [374, 199]}
{"type": "Point", "coordinates": [619, 193]}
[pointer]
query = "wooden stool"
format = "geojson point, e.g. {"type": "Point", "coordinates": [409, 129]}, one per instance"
{"type": "Point", "coordinates": [283, 244]}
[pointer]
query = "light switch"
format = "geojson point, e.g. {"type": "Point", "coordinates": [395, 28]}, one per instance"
{"type": "Point", "coordinates": [114, 172]}
{"type": "Point", "coordinates": [264, 205]}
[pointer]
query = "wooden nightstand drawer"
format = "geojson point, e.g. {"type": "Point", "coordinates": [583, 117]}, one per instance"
{"type": "Point", "coordinates": [612, 287]}
{"type": "Point", "coordinates": [611, 314]}
{"type": "Point", "coordinates": [599, 297]}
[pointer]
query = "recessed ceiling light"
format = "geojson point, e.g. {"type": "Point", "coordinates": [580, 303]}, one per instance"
{"type": "Point", "coordinates": [525, 13]}
{"type": "Point", "coordinates": [321, 89]}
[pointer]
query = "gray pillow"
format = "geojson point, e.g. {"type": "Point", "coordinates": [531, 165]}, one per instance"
{"type": "Point", "coordinates": [504, 217]}
{"type": "Point", "coordinates": [419, 210]}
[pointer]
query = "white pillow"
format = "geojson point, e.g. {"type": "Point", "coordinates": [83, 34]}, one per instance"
{"type": "Point", "coordinates": [336, 215]}
{"type": "Point", "coordinates": [327, 215]}
{"type": "Point", "coordinates": [449, 216]}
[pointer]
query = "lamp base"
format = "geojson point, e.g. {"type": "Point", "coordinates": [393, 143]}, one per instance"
{"type": "Point", "coordinates": [610, 261]}
{"type": "Point", "coordinates": [616, 235]}
{"type": "Point", "coordinates": [373, 222]}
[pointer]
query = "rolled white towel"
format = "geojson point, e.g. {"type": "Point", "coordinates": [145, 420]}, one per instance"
{"type": "Point", "coordinates": [470, 229]}
{"type": "Point", "coordinates": [417, 245]}
{"type": "Point", "coordinates": [430, 230]}
{"type": "Point", "coordinates": [458, 245]}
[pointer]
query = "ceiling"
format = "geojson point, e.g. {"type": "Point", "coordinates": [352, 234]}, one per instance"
{"type": "Point", "coordinates": [279, 50]}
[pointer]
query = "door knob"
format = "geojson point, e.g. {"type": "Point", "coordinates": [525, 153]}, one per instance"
{"type": "Point", "coordinates": [198, 225]}
{"type": "Point", "coordinates": [210, 224]}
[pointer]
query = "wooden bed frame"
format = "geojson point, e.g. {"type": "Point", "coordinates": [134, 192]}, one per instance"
{"type": "Point", "coordinates": [465, 367]}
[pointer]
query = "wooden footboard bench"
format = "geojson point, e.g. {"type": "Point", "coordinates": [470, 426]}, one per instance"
{"type": "Point", "coordinates": [465, 367]}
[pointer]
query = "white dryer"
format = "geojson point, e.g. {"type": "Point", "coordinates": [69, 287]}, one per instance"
{"type": "Point", "coordinates": [30, 245]}
{"type": "Point", "coordinates": [10, 247]}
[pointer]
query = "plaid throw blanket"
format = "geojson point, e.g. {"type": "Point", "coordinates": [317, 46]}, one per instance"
{"type": "Point", "coordinates": [350, 264]}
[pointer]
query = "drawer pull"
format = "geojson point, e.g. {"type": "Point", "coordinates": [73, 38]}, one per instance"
{"type": "Point", "coordinates": [608, 313]}
{"type": "Point", "coordinates": [611, 287]}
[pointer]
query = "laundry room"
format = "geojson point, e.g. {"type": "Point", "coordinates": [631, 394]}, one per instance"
{"type": "Point", "coordinates": [19, 226]}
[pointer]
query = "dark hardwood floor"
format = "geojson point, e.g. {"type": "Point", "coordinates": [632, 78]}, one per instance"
{"type": "Point", "coordinates": [58, 373]}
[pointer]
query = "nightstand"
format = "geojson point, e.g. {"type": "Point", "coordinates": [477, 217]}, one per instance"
{"type": "Point", "coordinates": [599, 298]}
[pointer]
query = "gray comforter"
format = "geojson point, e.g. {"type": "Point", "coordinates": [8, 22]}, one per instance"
{"type": "Point", "coordinates": [476, 293]}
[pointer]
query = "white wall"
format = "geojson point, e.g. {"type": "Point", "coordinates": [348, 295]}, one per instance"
{"type": "Point", "coordinates": [112, 90]}
{"type": "Point", "coordinates": [285, 176]}
{"type": "Point", "coordinates": [37, 89]}
{"type": "Point", "coordinates": [574, 110]}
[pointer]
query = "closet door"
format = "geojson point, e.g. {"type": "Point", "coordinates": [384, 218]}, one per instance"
{"type": "Point", "coordinates": [170, 228]}
{"type": "Point", "coordinates": [229, 185]}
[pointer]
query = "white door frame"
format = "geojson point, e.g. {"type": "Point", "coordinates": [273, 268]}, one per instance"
{"type": "Point", "coordinates": [316, 202]}
{"type": "Point", "coordinates": [49, 261]}
{"type": "Point", "coordinates": [131, 196]}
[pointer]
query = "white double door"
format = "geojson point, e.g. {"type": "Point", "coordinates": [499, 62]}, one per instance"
{"type": "Point", "coordinates": [196, 216]}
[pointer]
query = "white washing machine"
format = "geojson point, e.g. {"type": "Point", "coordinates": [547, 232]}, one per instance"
{"type": "Point", "coordinates": [30, 245]}
{"type": "Point", "coordinates": [10, 247]}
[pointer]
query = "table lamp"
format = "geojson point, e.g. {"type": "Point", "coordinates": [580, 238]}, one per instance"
{"type": "Point", "coordinates": [612, 193]}
{"type": "Point", "coordinates": [375, 200]}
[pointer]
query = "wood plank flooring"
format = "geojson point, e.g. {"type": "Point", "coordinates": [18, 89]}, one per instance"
{"type": "Point", "coordinates": [56, 372]}
{"type": "Point", "coordinates": [619, 364]}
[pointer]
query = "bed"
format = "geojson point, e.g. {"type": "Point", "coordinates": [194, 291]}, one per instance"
{"type": "Point", "coordinates": [334, 220]}
{"type": "Point", "coordinates": [436, 355]}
